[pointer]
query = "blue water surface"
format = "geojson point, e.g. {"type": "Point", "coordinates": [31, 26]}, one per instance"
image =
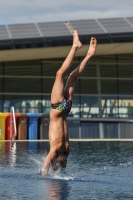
{"type": "Point", "coordinates": [95, 170]}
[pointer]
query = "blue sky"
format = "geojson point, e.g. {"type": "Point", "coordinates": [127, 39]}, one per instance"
{"type": "Point", "coordinates": [26, 11]}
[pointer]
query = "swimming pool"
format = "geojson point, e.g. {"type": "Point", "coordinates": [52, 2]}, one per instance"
{"type": "Point", "coordinates": [96, 170]}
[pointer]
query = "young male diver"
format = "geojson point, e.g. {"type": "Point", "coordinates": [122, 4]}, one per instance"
{"type": "Point", "coordinates": [61, 103]}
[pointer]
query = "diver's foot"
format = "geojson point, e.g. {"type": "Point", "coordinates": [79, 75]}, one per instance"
{"type": "Point", "coordinates": [92, 47]}
{"type": "Point", "coordinates": [76, 42]}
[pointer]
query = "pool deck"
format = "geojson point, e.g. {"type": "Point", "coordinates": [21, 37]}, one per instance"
{"type": "Point", "coordinates": [76, 140]}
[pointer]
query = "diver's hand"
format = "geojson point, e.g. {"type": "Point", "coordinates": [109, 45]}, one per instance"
{"type": "Point", "coordinates": [44, 172]}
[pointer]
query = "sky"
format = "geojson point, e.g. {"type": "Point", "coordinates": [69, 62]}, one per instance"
{"type": "Point", "coordinates": [29, 11]}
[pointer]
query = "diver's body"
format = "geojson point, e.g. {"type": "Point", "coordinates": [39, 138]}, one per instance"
{"type": "Point", "coordinates": [61, 102]}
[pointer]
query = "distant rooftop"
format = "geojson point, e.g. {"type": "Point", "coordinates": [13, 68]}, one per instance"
{"type": "Point", "coordinates": [50, 34]}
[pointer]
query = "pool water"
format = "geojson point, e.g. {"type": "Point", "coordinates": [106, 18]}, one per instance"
{"type": "Point", "coordinates": [95, 170]}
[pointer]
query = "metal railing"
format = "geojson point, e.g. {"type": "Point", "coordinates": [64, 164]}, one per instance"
{"type": "Point", "coordinates": [12, 119]}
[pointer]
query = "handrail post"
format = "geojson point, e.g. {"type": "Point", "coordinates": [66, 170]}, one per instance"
{"type": "Point", "coordinates": [12, 119]}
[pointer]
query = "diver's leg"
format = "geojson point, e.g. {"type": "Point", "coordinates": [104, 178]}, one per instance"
{"type": "Point", "coordinates": [58, 87]}
{"type": "Point", "coordinates": [69, 88]}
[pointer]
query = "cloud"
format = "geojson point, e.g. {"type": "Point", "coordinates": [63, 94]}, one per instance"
{"type": "Point", "coordinates": [26, 11]}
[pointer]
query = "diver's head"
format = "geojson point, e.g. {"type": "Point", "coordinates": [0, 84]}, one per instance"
{"type": "Point", "coordinates": [59, 163]}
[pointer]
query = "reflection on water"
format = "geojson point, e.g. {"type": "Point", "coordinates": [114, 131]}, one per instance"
{"type": "Point", "coordinates": [96, 170]}
{"type": "Point", "coordinates": [8, 153]}
{"type": "Point", "coordinates": [13, 154]}
{"type": "Point", "coordinates": [57, 190]}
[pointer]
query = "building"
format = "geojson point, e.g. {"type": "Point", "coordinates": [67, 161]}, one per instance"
{"type": "Point", "coordinates": [30, 55]}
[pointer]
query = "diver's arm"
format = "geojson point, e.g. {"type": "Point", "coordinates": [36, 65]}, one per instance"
{"type": "Point", "coordinates": [49, 158]}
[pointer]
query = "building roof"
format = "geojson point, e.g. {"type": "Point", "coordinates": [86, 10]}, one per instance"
{"type": "Point", "coordinates": [53, 34]}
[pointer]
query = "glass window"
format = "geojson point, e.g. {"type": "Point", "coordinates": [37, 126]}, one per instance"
{"type": "Point", "coordinates": [126, 130]}
{"type": "Point", "coordinates": [22, 103]}
{"type": "Point", "coordinates": [73, 128]}
{"type": "Point", "coordinates": [47, 85]}
{"type": "Point", "coordinates": [126, 107]}
{"type": "Point", "coordinates": [46, 104]}
{"type": "Point", "coordinates": [1, 86]}
{"type": "Point", "coordinates": [125, 65]}
{"type": "Point", "coordinates": [19, 83]}
{"type": "Point", "coordinates": [125, 87]}
{"type": "Point", "coordinates": [1, 73]}
{"type": "Point", "coordinates": [88, 86]}
{"type": "Point", "coordinates": [1, 104]}
{"type": "Point", "coordinates": [99, 106]}
{"type": "Point", "coordinates": [32, 81]}
{"type": "Point", "coordinates": [22, 85]}
{"type": "Point", "coordinates": [23, 68]}
{"type": "Point", "coordinates": [108, 70]}
{"type": "Point", "coordinates": [110, 130]}
{"type": "Point", "coordinates": [75, 111]}
{"type": "Point", "coordinates": [110, 107]}
{"type": "Point", "coordinates": [92, 130]}
{"type": "Point", "coordinates": [89, 130]}
{"type": "Point", "coordinates": [89, 107]}
{"type": "Point", "coordinates": [107, 66]}
{"type": "Point", "coordinates": [107, 58]}
{"type": "Point", "coordinates": [109, 87]}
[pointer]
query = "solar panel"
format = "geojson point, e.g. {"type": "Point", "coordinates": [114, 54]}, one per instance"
{"type": "Point", "coordinates": [23, 31]}
{"type": "Point", "coordinates": [3, 33]}
{"type": "Point", "coordinates": [116, 25]}
{"type": "Point", "coordinates": [130, 19]}
{"type": "Point", "coordinates": [85, 27]}
{"type": "Point", "coordinates": [53, 29]}
{"type": "Point", "coordinates": [49, 34]}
